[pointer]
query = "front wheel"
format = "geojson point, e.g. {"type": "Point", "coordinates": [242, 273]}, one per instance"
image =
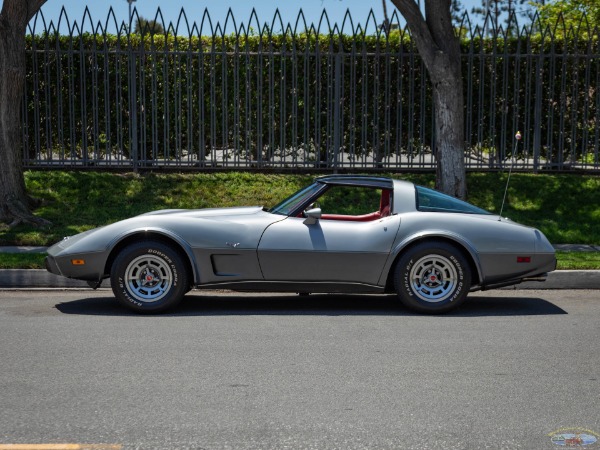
{"type": "Point", "coordinates": [149, 276]}
{"type": "Point", "coordinates": [432, 277]}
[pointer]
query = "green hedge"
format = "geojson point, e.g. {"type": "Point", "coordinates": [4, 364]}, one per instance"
{"type": "Point", "coordinates": [261, 95]}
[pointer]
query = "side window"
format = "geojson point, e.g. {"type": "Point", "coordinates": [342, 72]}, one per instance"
{"type": "Point", "coordinates": [350, 200]}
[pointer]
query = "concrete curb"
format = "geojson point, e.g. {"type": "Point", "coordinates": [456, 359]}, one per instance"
{"type": "Point", "coordinates": [566, 279]}
{"type": "Point", "coordinates": [36, 278]}
{"type": "Point", "coordinates": [39, 278]}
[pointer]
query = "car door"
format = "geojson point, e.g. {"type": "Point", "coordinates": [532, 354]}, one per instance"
{"type": "Point", "coordinates": [327, 250]}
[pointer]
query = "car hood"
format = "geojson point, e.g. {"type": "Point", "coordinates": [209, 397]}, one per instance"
{"type": "Point", "coordinates": [208, 212]}
{"type": "Point", "coordinates": [243, 225]}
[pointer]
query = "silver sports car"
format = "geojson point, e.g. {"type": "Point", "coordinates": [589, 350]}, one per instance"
{"type": "Point", "coordinates": [354, 234]}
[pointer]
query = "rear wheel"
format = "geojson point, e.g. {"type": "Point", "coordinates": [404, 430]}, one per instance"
{"type": "Point", "coordinates": [432, 277]}
{"type": "Point", "coordinates": [149, 276]}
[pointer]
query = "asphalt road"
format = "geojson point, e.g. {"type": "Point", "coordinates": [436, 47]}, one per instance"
{"type": "Point", "coordinates": [225, 370]}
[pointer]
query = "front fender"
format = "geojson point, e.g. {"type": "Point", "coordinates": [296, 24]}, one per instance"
{"type": "Point", "coordinates": [128, 236]}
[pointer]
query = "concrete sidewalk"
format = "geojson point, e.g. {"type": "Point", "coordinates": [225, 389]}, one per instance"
{"type": "Point", "coordinates": [39, 278]}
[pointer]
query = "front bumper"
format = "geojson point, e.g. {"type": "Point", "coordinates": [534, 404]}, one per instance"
{"type": "Point", "coordinates": [91, 270]}
{"type": "Point", "coordinates": [51, 265]}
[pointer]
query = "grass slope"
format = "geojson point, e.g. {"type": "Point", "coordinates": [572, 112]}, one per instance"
{"type": "Point", "coordinates": [565, 207]}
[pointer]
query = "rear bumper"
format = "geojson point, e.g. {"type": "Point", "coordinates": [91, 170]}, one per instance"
{"type": "Point", "coordinates": [486, 287]}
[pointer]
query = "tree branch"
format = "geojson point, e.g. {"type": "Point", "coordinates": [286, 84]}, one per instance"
{"type": "Point", "coordinates": [33, 6]}
{"type": "Point", "coordinates": [20, 11]}
{"type": "Point", "coordinates": [418, 28]}
{"type": "Point", "coordinates": [440, 24]}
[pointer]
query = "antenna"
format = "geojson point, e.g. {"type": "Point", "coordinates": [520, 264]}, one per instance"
{"type": "Point", "coordinates": [518, 137]}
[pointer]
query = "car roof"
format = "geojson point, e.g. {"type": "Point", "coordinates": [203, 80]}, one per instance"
{"type": "Point", "coordinates": [357, 180]}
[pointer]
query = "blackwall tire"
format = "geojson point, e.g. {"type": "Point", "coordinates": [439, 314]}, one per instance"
{"type": "Point", "coordinates": [149, 277]}
{"type": "Point", "coordinates": [432, 277]}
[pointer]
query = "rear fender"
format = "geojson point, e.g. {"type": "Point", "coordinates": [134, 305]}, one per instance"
{"type": "Point", "coordinates": [431, 235]}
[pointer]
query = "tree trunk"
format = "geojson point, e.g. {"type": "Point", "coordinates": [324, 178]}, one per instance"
{"type": "Point", "coordinates": [16, 205]}
{"type": "Point", "coordinates": [448, 104]}
{"type": "Point", "coordinates": [439, 48]}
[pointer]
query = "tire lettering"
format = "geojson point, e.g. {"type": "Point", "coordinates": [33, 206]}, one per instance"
{"type": "Point", "coordinates": [126, 293]}
{"type": "Point", "coordinates": [162, 255]}
{"type": "Point", "coordinates": [168, 260]}
{"type": "Point", "coordinates": [407, 288]}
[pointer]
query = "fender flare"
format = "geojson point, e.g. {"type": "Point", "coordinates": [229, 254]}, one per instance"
{"type": "Point", "coordinates": [432, 235]}
{"type": "Point", "coordinates": [169, 235]}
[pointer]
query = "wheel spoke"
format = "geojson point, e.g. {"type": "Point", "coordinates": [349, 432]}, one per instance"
{"type": "Point", "coordinates": [433, 278]}
{"type": "Point", "coordinates": [148, 278]}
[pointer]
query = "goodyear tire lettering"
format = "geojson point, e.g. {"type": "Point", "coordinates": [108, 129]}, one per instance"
{"type": "Point", "coordinates": [149, 276]}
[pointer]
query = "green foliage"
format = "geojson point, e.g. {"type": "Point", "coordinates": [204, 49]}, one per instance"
{"type": "Point", "coordinates": [500, 13]}
{"type": "Point", "coordinates": [565, 207]}
{"type": "Point", "coordinates": [570, 17]}
{"type": "Point", "coordinates": [79, 201]}
{"type": "Point", "coordinates": [148, 26]}
{"type": "Point", "coordinates": [22, 260]}
{"type": "Point", "coordinates": [350, 201]}
{"type": "Point", "coordinates": [578, 260]}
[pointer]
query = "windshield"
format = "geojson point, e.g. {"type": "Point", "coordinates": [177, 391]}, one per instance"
{"type": "Point", "coordinates": [433, 201]}
{"type": "Point", "coordinates": [287, 206]}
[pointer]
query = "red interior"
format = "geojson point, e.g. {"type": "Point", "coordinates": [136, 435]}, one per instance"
{"type": "Point", "coordinates": [384, 211]}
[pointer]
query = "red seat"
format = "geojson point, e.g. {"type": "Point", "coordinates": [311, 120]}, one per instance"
{"type": "Point", "coordinates": [385, 206]}
{"type": "Point", "coordinates": [384, 211]}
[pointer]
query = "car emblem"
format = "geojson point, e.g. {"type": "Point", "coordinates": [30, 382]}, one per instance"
{"type": "Point", "coordinates": [232, 244]}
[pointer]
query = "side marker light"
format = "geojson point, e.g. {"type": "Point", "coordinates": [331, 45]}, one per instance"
{"type": "Point", "coordinates": [78, 262]}
{"type": "Point", "coordinates": [523, 259]}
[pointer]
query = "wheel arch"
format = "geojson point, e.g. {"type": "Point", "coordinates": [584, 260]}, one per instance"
{"type": "Point", "coordinates": [164, 236]}
{"type": "Point", "coordinates": [461, 244]}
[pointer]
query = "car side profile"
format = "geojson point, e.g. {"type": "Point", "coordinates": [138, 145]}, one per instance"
{"type": "Point", "coordinates": [345, 234]}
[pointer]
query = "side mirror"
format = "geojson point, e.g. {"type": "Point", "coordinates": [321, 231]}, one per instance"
{"type": "Point", "coordinates": [312, 215]}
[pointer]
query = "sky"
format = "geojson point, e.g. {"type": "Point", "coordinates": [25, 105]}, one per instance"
{"type": "Point", "coordinates": [194, 9]}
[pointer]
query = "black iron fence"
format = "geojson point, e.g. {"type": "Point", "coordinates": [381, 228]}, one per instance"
{"type": "Point", "coordinates": [300, 97]}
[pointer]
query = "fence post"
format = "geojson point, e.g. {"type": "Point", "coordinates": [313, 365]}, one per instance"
{"type": "Point", "coordinates": [537, 117]}
{"type": "Point", "coordinates": [337, 86]}
{"type": "Point", "coordinates": [133, 127]}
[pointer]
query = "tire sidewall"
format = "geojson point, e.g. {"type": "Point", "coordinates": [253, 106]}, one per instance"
{"type": "Point", "coordinates": [404, 287]}
{"type": "Point", "coordinates": [169, 256]}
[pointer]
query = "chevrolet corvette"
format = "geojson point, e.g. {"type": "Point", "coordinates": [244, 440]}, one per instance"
{"type": "Point", "coordinates": [341, 234]}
